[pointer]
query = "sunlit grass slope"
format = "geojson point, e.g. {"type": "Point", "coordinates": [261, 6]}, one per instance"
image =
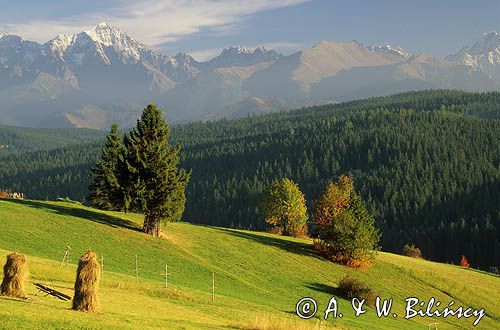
{"type": "Point", "coordinates": [258, 277]}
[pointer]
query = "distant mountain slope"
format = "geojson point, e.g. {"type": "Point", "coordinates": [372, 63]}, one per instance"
{"type": "Point", "coordinates": [415, 73]}
{"type": "Point", "coordinates": [95, 77]}
{"type": "Point", "coordinates": [483, 56]}
{"type": "Point", "coordinates": [240, 56]}
{"type": "Point", "coordinates": [209, 90]}
{"type": "Point", "coordinates": [290, 77]}
{"type": "Point", "coordinates": [395, 52]}
{"type": "Point", "coordinates": [100, 69]}
{"type": "Point", "coordinates": [249, 106]}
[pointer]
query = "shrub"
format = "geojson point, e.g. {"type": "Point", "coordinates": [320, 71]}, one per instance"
{"type": "Point", "coordinates": [464, 262]}
{"type": "Point", "coordinates": [412, 251]}
{"type": "Point", "coordinates": [345, 230]}
{"type": "Point", "coordinates": [284, 207]}
{"type": "Point", "coordinates": [350, 288]}
{"type": "Point", "coordinates": [494, 270]}
{"type": "Point", "coordinates": [68, 200]}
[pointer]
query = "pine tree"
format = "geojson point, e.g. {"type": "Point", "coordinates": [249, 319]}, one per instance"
{"type": "Point", "coordinates": [154, 185]}
{"type": "Point", "coordinates": [105, 189]}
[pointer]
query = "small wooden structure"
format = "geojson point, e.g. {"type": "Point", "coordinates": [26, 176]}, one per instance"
{"type": "Point", "coordinates": [52, 292]}
{"type": "Point", "coordinates": [15, 195]}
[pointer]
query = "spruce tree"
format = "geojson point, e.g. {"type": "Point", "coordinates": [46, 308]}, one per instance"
{"type": "Point", "coordinates": [154, 184]}
{"type": "Point", "coordinates": [105, 189]}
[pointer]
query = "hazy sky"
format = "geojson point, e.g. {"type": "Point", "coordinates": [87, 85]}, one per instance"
{"type": "Point", "coordinates": [204, 27]}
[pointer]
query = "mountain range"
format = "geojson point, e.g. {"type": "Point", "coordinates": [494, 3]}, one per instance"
{"type": "Point", "coordinates": [103, 75]}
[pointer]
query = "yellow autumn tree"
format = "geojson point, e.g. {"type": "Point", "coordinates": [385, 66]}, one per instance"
{"type": "Point", "coordinates": [284, 207]}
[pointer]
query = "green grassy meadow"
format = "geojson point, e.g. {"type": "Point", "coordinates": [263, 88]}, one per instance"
{"type": "Point", "coordinates": [259, 277]}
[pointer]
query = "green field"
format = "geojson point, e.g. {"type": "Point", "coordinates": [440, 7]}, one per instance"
{"type": "Point", "coordinates": [258, 277]}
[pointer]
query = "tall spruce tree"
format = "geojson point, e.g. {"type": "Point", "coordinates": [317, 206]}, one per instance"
{"type": "Point", "coordinates": [105, 189]}
{"type": "Point", "coordinates": [154, 184]}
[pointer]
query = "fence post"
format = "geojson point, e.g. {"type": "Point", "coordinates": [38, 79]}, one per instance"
{"type": "Point", "coordinates": [65, 257]}
{"type": "Point", "coordinates": [102, 264]}
{"type": "Point", "coordinates": [136, 271]}
{"type": "Point", "coordinates": [166, 276]}
{"type": "Point", "coordinates": [213, 287]}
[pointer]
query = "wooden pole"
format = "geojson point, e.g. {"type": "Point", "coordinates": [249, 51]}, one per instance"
{"type": "Point", "coordinates": [166, 276]}
{"type": "Point", "coordinates": [136, 271]}
{"type": "Point", "coordinates": [65, 257]}
{"type": "Point", "coordinates": [102, 264]}
{"type": "Point", "coordinates": [213, 287]}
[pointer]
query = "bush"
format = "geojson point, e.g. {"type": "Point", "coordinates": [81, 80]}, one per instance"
{"type": "Point", "coordinates": [464, 262]}
{"type": "Point", "coordinates": [350, 288]}
{"type": "Point", "coordinates": [68, 200]}
{"type": "Point", "coordinates": [494, 270]}
{"type": "Point", "coordinates": [278, 231]}
{"type": "Point", "coordinates": [412, 251]}
{"type": "Point", "coordinates": [345, 229]}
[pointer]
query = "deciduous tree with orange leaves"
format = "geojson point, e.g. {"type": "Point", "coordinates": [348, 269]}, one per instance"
{"type": "Point", "coordinates": [345, 229]}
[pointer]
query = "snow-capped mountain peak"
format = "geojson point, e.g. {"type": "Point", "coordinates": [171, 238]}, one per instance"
{"type": "Point", "coordinates": [103, 40]}
{"type": "Point", "coordinates": [14, 50]}
{"type": "Point", "coordinates": [241, 56]}
{"type": "Point", "coordinates": [60, 44]}
{"type": "Point", "coordinates": [238, 50]}
{"type": "Point", "coordinates": [484, 55]}
{"type": "Point", "coordinates": [185, 58]}
{"type": "Point", "coordinates": [389, 50]}
{"type": "Point", "coordinates": [489, 42]}
{"type": "Point", "coordinates": [3, 33]}
{"type": "Point", "coordinates": [108, 36]}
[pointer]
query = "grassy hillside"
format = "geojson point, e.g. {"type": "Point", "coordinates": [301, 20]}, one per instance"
{"type": "Point", "coordinates": [259, 277]}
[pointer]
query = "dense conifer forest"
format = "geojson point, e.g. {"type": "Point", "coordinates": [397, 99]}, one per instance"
{"type": "Point", "coordinates": [427, 163]}
{"type": "Point", "coordinates": [13, 139]}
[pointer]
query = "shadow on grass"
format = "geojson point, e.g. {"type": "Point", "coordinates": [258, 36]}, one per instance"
{"type": "Point", "coordinates": [324, 288]}
{"type": "Point", "coordinates": [98, 217]}
{"type": "Point", "coordinates": [283, 244]}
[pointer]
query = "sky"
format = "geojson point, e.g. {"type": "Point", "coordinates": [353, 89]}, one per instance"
{"type": "Point", "coordinates": [203, 27]}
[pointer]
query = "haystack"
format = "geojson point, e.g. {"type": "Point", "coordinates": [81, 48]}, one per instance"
{"type": "Point", "coordinates": [15, 273]}
{"type": "Point", "coordinates": [87, 283]}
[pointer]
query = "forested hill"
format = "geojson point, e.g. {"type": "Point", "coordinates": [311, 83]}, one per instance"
{"type": "Point", "coordinates": [15, 139]}
{"type": "Point", "coordinates": [427, 162]}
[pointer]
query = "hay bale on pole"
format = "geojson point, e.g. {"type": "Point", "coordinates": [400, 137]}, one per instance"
{"type": "Point", "coordinates": [15, 273]}
{"type": "Point", "coordinates": [87, 283]}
